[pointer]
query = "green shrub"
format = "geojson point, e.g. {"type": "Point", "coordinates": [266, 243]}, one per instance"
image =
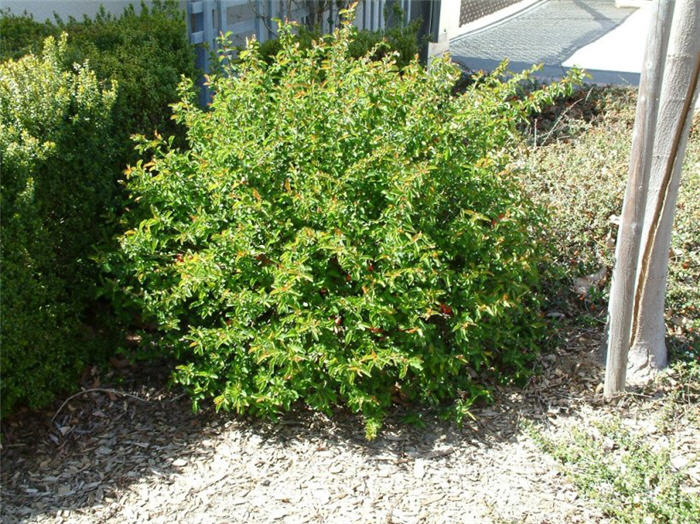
{"type": "Point", "coordinates": [62, 154]}
{"type": "Point", "coordinates": [337, 233]}
{"type": "Point", "coordinates": [21, 35]}
{"type": "Point", "coordinates": [377, 44]}
{"type": "Point", "coordinates": [402, 40]}
{"type": "Point", "coordinates": [145, 53]}
{"type": "Point", "coordinates": [55, 141]}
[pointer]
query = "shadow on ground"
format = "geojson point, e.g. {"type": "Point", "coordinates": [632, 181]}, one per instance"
{"type": "Point", "coordinates": [546, 33]}
{"type": "Point", "coordinates": [100, 443]}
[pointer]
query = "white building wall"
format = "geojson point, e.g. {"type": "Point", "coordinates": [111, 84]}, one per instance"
{"type": "Point", "coordinates": [42, 10]}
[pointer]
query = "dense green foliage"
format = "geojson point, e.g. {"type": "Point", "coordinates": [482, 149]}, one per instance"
{"type": "Point", "coordinates": [401, 39]}
{"type": "Point", "coordinates": [65, 144]}
{"type": "Point", "coordinates": [145, 52]}
{"type": "Point", "coordinates": [337, 233]}
{"type": "Point", "coordinates": [22, 35]}
{"type": "Point", "coordinates": [55, 141]}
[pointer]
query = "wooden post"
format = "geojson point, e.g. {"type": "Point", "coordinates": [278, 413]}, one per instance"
{"type": "Point", "coordinates": [622, 290]}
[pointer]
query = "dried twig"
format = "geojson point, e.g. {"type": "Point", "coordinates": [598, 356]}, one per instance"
{"type": "Point", "coordinates": [91, 390]}
{"type": "Point", "coordinates": [559, 119]}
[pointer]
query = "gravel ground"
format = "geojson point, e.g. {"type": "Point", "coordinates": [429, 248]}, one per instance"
{"type": "Point", "coordinates": [113, 458]}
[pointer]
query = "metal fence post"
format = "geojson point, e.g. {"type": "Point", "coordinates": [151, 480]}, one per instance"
{"type": "Point", "coordinates": [202, 34]}
{"type": "Point", "coordinates": [206, 19]}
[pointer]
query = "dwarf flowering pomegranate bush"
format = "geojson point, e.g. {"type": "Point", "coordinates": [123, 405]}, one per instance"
{"type": "Point", "coordinates": [337, 232]}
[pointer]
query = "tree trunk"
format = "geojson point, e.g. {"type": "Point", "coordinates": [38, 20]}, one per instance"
{"type": "Point", "coordinates": [678, 95]}
{"type": "Point", "coordinates": [621, 306]}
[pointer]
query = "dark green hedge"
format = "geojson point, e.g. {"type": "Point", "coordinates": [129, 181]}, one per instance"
{"type": "Point", "coordinates": [65, 145]}
{"type": "Point", "coordinates": [144, 52]}
{"type": "Point", "coordinates": [403, 41]}
{"type": "Point", "coordinates": [55, 141]}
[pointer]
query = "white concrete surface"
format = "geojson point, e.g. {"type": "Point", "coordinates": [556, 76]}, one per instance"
{"type": "Point", "coordinates": [449, 17]}
{"type": "Point", "coordinates": [622, 49]}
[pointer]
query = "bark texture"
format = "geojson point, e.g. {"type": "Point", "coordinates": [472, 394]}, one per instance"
{"type": "Point", "coordinates": [678, 94]}
{"type": "Point", "coordinates": [622, 292]}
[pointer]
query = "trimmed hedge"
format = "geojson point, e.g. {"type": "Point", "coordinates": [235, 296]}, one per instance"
{"type": "Point", "coordinates": [65, 144]}
{"type": "Point", "coordinates": [55, 141]}
{"type": "Point", "coordinates": [338, 232]}
{"type": "Point", "coordinates": [146, 53]}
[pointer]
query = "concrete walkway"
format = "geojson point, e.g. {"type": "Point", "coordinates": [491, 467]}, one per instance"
{"type": "Point", "coordinates": [594, 34]}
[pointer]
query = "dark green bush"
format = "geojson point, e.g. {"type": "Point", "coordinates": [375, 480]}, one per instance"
{"type": "Point", "coordinates": [21, 35]}
{"type": "Point", "coordinates": [337, 233]}
{"type": "Point", "coordinates": [55, 143]}
{"type": "Point", "coordinates": [145, 53]}
{"type": "Point", "coordinates": [62, 156]}
{"type": "Point", "coordinates": [403, 40]}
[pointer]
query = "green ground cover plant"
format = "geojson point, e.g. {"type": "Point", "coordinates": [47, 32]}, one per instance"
{"type": "Point", "coordinates": [56, 133]}
{"type": "Point", "coordinates": [627, 478]}
{"type": "Point", "coordinates": [337, 233]}
{"type": "Point", "coordinates": [575, 166]}
{"type": "Point", "coordinates": [629, 471]}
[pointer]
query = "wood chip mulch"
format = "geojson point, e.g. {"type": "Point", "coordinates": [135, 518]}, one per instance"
{"type": "Point", "coordinates": [109, 457]}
